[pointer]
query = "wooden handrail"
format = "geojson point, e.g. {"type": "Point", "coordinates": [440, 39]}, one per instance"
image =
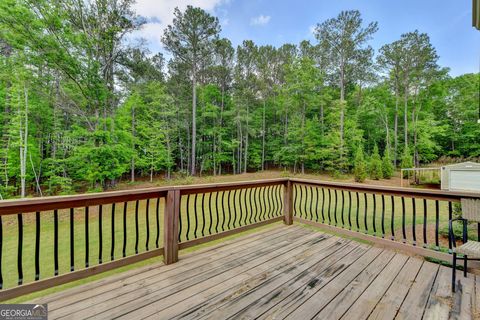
{"type": "Point", "coordinates": [214, 187]}
{"type": "Point", "coordinates": [405, 192]}
{"type": "Point", "coordinates": [15, 206]}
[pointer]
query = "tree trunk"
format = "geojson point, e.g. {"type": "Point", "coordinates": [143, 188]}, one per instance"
{"type": "Point", "coordinates": [132, 164]}
{"type": "Point", "coordinates": [221, 126]}
{"type": "Point", "coordinates": [245, 161]}
{"type": "Point", "coordinates": [395, 152]}
{"type": "Point", "coordinates": [263, 137]}
{"type": "Point", "coordinates": [322, 119]}
{"type": "Point", "coordinates": [24, 147]}
{"type": "Point", "coordinates": [194, 121]}
{"type": "Point", "coordinates": [240, 146]}
{"type": "Point", "coordinates": [37, 179]}
{"type": "Point", "coordinates": [169, 152]}
{"type": "Point", "coordinates": [285, 132]}
{"type": "Point", "coordinates": [303, 138]}
{"type": "Point", "coordinates": [405, 116]}
{"type": "Point", "coordinates": [342, 111]}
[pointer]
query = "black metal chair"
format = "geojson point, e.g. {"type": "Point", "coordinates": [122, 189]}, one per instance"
{"type": "Point", "coordinates": [469, 250]}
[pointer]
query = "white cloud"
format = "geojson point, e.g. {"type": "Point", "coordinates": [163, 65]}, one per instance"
{"type": "Point", "coordinates": [312, 29]}
{"type": "Point", "coordinates": [261, 20]}
{"type": "Point", "coordinates": [159, 14]}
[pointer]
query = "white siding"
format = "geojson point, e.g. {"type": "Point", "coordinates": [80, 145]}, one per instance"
{"type": "Point", "coordinates": [465, 180]}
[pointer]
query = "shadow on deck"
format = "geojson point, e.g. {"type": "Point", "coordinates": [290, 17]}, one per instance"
{"type": "Point", "coordinates": [283, 272]}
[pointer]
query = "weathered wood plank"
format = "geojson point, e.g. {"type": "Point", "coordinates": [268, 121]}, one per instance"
{"type": "Point", "coordinates": [201, 300]}
{"type": "Point", "coordinates": [298, 295]}
{"type": "Point", "coordinates": [394, 191]}
{"type": "Point", "coordinates": [414, 304]}
{"type": "Point", "coordinates": [153, 289]}
{"type": "Point", "coordinates": [392, 300]}
{"type": "Point", "coordinates": [440, 300]}
{"type": "Point", "coordinates": [326, 270]}
{"type": "Point", "coordinates": [374, 287]}
{"type": "Point", "coordinates": [204, 254]}
{"type": "Point", "coordinates": [285, 272]}
{"type": "Point", "coordinates": [385, 243]}
{"type": "Point", "coordinates": [201, 258]}
{"type": "Point", "coordinates": [476, 311]}
{"type": "Point", "coordinates": [152, 303]}
{"type": "Point", "coordinates": [223, 234]}
{"type": "Point", "coordinates": [288, 203]}
{"type": "Point", "coordinates": [463, 297]}
{"type": "Point", "coordinates": [172, 213]}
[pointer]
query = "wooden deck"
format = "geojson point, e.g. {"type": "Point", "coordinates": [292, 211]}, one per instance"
{"type": "Point", "coordinates": [284, 272]}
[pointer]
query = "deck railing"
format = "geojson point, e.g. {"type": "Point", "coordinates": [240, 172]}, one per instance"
{"type": "Point", "coordinates": [54, 240]}
{"type": "Point", "coordinates": [415, 220]}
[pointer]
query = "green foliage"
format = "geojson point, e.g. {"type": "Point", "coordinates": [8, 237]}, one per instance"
{"type": "Point", "coordinates": [406, 161]}
{"type": "Point", "coordinates": [360, 166]}
{"type": "Point", "coordinates": [387, 165]}
{"type": "Point", "coordinates": [81, 108]}
{"type": "Point", "coordinates": [376, 169]}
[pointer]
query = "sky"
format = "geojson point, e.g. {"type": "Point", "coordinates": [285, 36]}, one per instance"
{"type": "Point", "coordinates": [275, 22]}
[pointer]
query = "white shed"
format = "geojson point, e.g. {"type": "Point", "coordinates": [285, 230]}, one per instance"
{"type": "Point", "coordinates": [463, 176]}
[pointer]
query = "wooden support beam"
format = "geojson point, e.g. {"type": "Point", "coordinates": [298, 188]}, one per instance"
{"type": "Point", "coordinates": [172, 214]}
{"type": "Point", "coordinates": [288, 202]}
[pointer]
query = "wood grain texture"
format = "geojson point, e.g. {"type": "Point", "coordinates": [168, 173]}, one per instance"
{"type": "Point", "coordinates": [286, 272]}
{"type": "Point", "coordinates": [391, 301]}
{"type": "Point", "coordinates": [388, 244]}
{"type": "Point", "coordinates": [416, 300]}
{"type": "Point", "coordinates": [310, 299]}
{"type": "Point", "coordinates": [206, 296]}
{"type": "Point", "coordinates": [204, 255]}
{"type": "Point", "coordinates": [369, 289]}
{"type": "Point", "coordinates": [148, 282]}
{"type": "Point", "coordinates": [220, 235]}
{"type": "Point", "coordinates": [288, 203]}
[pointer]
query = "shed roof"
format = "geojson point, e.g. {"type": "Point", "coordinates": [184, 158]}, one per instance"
{"type": "Point", "coordinates": [467, 164]}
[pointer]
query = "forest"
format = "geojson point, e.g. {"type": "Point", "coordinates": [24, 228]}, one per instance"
{"type": "Point", "coordinates": [84, 106]}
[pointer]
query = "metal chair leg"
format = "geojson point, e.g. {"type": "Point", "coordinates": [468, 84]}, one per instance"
{"type": "Point", "coordinates": [454, 270]}
{"type": "Point", "coordinates": [465, 265]}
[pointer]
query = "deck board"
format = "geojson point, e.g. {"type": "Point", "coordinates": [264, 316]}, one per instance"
{"type": "Point", "coordinates": [375, 287]}
{"type": "Point", "coordinates": [265, 260]}
{"type": "Point", "coordinates": [391, 301]}
{"type": "Point", "coordinates": [413, 306]}
{"type": "Point", "coordinates": [201, 303]}
{"type": "Point", "coordinates": [156, 288]}
{"type": "Point", "coordinates": [309, 301]}
{"type": "Point", "coordinates": [285, 272]}
{"type": "Point", "coordinates": [265, 295]}
{"type": "Point", "coordinates": [201, 256]}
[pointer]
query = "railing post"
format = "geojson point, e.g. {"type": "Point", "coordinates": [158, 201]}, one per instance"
{"type": "Point", "coordinates": [172, 214]}
{"type": "Point", "coordinates": [288, 202]}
